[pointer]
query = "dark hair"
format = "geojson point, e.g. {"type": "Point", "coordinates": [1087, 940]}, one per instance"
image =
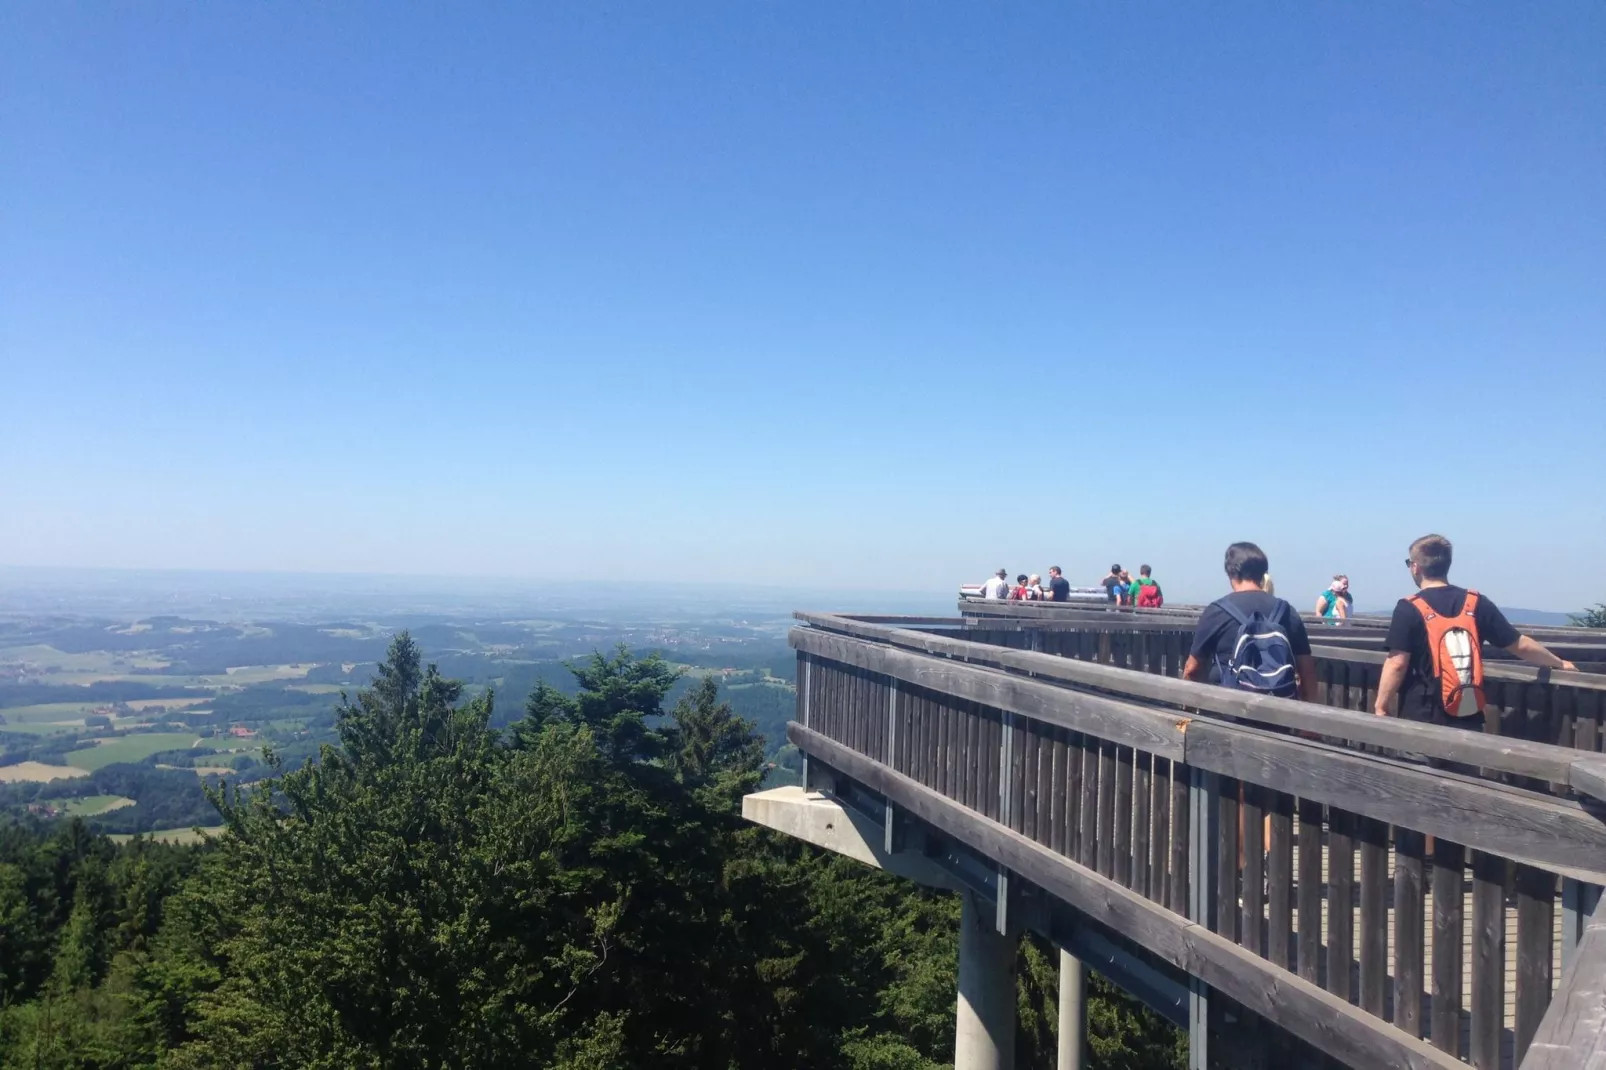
{"type": "Point", "coordinates": [1143, 570]}
{"type": "Point", "coordinates": [1246, 561]}
{"type": "Point", "coordinates": [1021, 578]}
{"type": "Point", "coordinates": [1056, 568]}
{"type": "Point", "coordinates": [1115, 568]}
{"type": "Point", "coordinates": [1431, 554]}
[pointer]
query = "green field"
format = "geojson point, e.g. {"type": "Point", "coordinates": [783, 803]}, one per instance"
{"type": "Point", "coordinates": [45, 712]}
{"type": "Point", "coordinates": [97, 804]}
{"type": "Point", "coordinates": [133, 748]}
{"type": "Point", "coordinates": [189, 835]}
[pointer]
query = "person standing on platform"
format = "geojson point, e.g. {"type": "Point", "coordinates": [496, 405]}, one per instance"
{"type": "Point", "coordinates": [1144, 592]}
{"type": "Point", "coordinates": [1333, 605]}
{"type": "Point", "coordinates": [1059, 588]}
{"type": "Point", "coordinates": [1112, 585]}
{"type": "Point", "coordinates": [1435, 644]}
{"type": "Point", "coordinates": [997, 587]}
{"type": "Point", "coordinates": [1034, 588]}
{"type": "Point", "coordinates": [1018, 593]}
{"type": "Point", "coordinates": [1255, 641]}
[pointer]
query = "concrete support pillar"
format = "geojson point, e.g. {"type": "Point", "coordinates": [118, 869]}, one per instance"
{"type": "Point", "coordinates": [985, 1036]}
{"type": "Point", "coordinates": [1073, 1013]}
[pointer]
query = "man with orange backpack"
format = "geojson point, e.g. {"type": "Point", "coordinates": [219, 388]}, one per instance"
{"type": "Point", "coordinates": [1435, 662]}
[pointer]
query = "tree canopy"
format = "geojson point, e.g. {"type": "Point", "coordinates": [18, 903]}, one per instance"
{"type": "Point", "coordinates": [577, 892]}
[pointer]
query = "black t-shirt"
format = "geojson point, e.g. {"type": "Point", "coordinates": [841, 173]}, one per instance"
{"type": "Point", "coordinates": [1217, 628]}
{"type": "Point", "coordinates": [1059, 589]}
{"type": "Point", "coordinates": [1420, 696]}
{"type": "Point", "coordinates": [1113, 587]}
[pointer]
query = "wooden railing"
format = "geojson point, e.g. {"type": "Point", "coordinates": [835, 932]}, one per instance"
{"type": "Point", "coordinates": [1564, 708]}
{"type": "Point", "coordinates": [1289, 856]}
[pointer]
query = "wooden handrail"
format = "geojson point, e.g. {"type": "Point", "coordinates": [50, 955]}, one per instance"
{"type": "Point", "coordinates": [1530, 827]}
{"type": "Point", "coordinates": [1497, 753]}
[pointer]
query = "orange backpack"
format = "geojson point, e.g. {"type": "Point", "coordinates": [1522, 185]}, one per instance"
{"type": "Point", "coordinates": [1457, 652]}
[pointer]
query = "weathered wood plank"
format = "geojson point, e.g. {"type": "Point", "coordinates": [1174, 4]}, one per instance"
{"type": "Point", "coordinates": [1309, 1013]}
{"type": "Point", "coordinates": [1056, 793]}
{"type": "Point", "coordinates": [1374, 843]}
{"type": "Point", "coordinates": [1280, 881]}
{"type": "Point", "coordinates": [1177, 885]}
{"type": "Point", "coordinates": [1340, 902]}
{"type": "Point", "coordinates": [1310, 890]}
{"type": "Point", "coordinates": [1106, 833]}
{"type": "Point", "coordinates": [1488, 959]}
{"type": "Point", "coordinates": [1159, 806]}
{"type": "Point", "coordinates": [1227, 858]}
{"type": "Point", "coordinates": [1089, 853]}
{"type": "Point", "coordinates": [1142, 767]}
{"type": "Point", "coordinates": [1449, 863]}
{"type": "Point", "coordinates": [1251, 931]}
{"type": "Point", "coordinates": [1529, 827]}
{"type": "Point", "coordinates": [1572, 1035]}
{"type": "Point", "coordinates": [1409, 850]}
{"type": "Point", "coordinates": [1121, 814]}
{"type": "Point", "coordinates": [1536, 899]}
{"type": "Point", "coordinates": [1506, 755]}
{"type": "Point", "coordinates": [1027, 824]}
{"type": "Point", "coordinates": [1108, 718]}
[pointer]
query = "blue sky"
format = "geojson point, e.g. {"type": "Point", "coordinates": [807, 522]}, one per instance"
{"type": "Point", "coordinates": [806, 294]}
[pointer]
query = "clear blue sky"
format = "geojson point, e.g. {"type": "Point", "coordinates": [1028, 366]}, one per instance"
{"type": "Point", "coordinates": [806, 293]}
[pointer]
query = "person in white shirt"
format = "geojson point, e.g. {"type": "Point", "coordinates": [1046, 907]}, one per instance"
{"type": "Point", "coordinates": [998, 586]}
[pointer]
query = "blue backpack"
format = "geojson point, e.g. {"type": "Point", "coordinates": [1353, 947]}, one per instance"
{"type": "Point", "coordinates": [1261, 659]}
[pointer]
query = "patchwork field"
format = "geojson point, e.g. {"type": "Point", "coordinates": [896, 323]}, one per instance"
{"type": "Point", "coordinates": [189, 835]}
{"type": "Point", "coordinates": [134, 748]}
{"type": "Point", "coordinates": [38, 772]}
{"type": "Point", "coordinates": [91, 805]}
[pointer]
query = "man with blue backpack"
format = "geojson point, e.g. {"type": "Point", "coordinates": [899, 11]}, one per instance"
{"type": "Point", "coordinates": [1254, 641]}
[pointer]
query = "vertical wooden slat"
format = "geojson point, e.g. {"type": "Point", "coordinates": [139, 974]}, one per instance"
{"type": "Point", "coordinates": [1488, 959]}
{"type": "Point", "coordinates": [1177, 864]}
{"type": "Point", "coordinates": [1374, 837]}
{"type": "Point", "coordinates": [1227, 858]}
{"type": "Point", "coordinates": [1142, 766]}
{"type": "Point", "coordinates": [1449, 860]}
{"type": "Point", "coordinates": [1017, 773]}
{"type": "Point", "coordinates": [995, 749]}
{"type": "Point", "coordinates": [1408, 944]}
{"type": "Point", "coordinates": [1310, 890]}
{"type": "Point", "coordinates": [1090, 802]}
{"type": "Point", "coordinates": [1280, 881]}
{"type": "Point", "coordinates": [1250, 928]}
{"type": "Point", "coordinates": [1122, 817]}
{"type": "Point", "coordinates": [943, 746]}
{"type": "Point", "coordinates": [976, 763]}
{"type": "Point", "coordinates": [1159, 807]}
{"type": "Point", "coordinates": [1073, 796]}
{"type": "Point", "coordinates": [1032, 731]}
{"type": "Point", "coordinates": [1056, 790]}
{"type": "Point", "coordinates": [1106, 826]}
{"type": "Point", "coordinates": [1340, 902]}
{"type": "Point", "coordinates": [1536, 905]}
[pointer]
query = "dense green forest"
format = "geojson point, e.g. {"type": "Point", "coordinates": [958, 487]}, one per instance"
{"type": "Point", "coordinates": [576, 890]}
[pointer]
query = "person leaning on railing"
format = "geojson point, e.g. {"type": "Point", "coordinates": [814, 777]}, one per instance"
{"type": "Point", "coordinates": [1435, 662]}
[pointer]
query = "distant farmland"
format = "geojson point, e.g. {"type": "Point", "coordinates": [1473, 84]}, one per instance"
{"type": "Point", "coordinates": [133, 748]}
